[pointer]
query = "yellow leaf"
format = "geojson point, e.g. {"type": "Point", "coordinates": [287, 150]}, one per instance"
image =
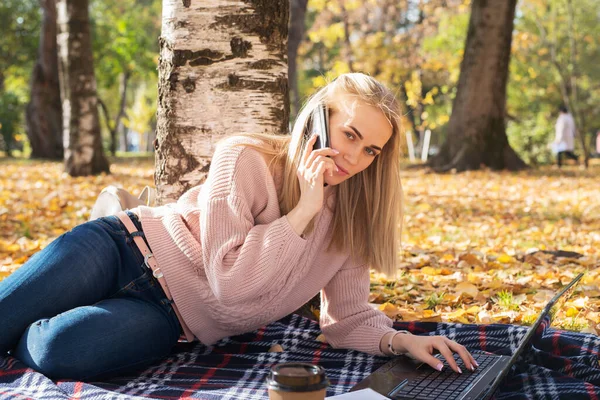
{"type": "Point", "coordinates": [572, 312]}
{"type": "Point", "coordinates": [504, 258]}
{"type": "Point", "coordinates": [389, 309]}
{"type": "Point", "coordinates": [447, 257]}
{"type": "Point", "coordinates": [321, 338]}
{"type": "Point", "coordinates": [423, 207]}
{"type": "Point", "coordinates": [431, 316]}
{"type": "Point", "coordinates": [467, 288]}
{"type": "Point", "coordinates": [408, 315]}
{"type": "Point", "coordinates": [456, 314]}
{"type": "Point", "coordinates": [9, 248]}
{"type": "Point", "coordinates": [428, 271]}
{"type": "Point", "coordinates": [473, 310]}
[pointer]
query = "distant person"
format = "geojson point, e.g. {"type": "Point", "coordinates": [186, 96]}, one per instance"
{"type": "Point", "coordinates": [564, 141]}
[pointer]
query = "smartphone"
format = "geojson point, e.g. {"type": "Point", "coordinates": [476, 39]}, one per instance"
{"type": "Point", "coordinates": [320, 126]}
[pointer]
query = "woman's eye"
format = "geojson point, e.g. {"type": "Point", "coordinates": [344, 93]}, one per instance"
{"type": "Point", "coordinates": [370, 151]}
{"type": "Point", "coordinates": [349, 135]}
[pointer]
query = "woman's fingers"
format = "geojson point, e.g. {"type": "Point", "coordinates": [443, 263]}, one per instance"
{"type": "Point", "coordinates": [326, 151]}
{"type": "Point", "coordinates": [430, 360]}
{"type": "Point", "coordinates": [316, 154]}
{"type": "Point", "coordinates": [464, 354]}
{"type": "Point", "coordinates": [422, 348]}
{"type": "Point", "coordinates": [308, 150]}
{"type": "Point", "coordinates": [447, 353]}
{"type": "Point", "coordinates": [323, 167]}
{"type": "Point", "coordinates": [317, 161]}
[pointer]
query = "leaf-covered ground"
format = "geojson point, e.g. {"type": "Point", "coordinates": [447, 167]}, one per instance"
{"type": "Point", "coordinates": [472, 244]}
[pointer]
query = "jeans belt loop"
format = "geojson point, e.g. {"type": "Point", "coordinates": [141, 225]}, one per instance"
{"type": "Point", "coordinates": [150, 262]}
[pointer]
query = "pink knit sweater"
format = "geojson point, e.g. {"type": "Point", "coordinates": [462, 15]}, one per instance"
{"type": "Point", "coordinates": [233, 263]}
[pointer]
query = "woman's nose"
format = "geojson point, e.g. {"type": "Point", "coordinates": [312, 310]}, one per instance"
{"type": "Point", "coordinates": [351, 157]}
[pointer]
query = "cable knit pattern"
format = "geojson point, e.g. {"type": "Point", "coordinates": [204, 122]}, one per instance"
{"type": "Point", "coordinates": [233, 263]}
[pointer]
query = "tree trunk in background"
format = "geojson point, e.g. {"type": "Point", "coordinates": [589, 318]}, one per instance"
{"type": "Point", "coordinates": [222, 70]}
{"type": "Point", "coordinates": [119, 126]}
{"type": "Point", "coordinates": [44, 112]}
{"type": "Point", "coordinates": [297, 29]}
{"type": "Point", "coordinates": [81, 127]}
{"type": "Point", "coordinates": [477, 129]}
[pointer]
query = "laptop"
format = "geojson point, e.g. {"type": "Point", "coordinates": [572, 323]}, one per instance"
{"type": "Point", "coordinates": [406, 378]}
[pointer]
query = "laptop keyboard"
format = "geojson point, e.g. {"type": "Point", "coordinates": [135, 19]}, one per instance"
{"type": "Point", "coordinates": [434, 385]}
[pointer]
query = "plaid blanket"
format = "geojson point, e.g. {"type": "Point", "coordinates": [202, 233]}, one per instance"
{"type": "Point", "coordinates": [559, 365]}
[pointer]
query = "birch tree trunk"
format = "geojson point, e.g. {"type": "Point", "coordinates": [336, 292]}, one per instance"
{"type": "Point", "coordinates": [477, 129]}
{"type": "Point", "coordinates": [81, 128]}
{"type": "Point", "coordinates": [44, 111]}
{"type": "Point", "coordinates": [222, 70]}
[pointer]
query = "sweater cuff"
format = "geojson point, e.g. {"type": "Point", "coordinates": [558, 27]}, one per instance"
{"type": "Point", "coordinates": [294, 243]}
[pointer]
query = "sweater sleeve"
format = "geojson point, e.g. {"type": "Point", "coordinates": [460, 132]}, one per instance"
{"type": "Point", "coordinates": [242, 259]}
{"type": "Point", "coordinates": [347, 320]}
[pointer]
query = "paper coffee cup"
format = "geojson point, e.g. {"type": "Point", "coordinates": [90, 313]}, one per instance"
{"type": "Point", "coordinates": [297, 381]}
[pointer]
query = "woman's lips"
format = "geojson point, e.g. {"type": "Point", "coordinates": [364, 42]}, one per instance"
{"type": "Point", "coordinates": [341, 170]}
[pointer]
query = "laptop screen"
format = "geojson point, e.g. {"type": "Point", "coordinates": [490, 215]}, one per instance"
{"type": "Point", "coordinates": [547, 315]}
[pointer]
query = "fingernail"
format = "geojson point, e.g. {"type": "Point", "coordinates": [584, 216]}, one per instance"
{"type": "Point", "coordinates": [335, 151]}
{"type": "Point", "coordinates": [459, 371]}
{"type": "Point", "coordinates": [472, 368]}
{"type": "Point", "coordinates": [439, 366]}
{"type": "Point", "coordinates": [476, 364]}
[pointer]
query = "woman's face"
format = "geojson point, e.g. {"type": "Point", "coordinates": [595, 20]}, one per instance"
{"type": "Point", "coordinates": [359, 137]}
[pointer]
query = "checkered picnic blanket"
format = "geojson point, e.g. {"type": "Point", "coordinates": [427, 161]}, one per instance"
{"type": "Point", "coordinates": [559, 365]}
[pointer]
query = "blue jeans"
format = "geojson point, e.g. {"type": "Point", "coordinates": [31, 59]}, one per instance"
{"type": "Point", "coordinates": [86, 307]}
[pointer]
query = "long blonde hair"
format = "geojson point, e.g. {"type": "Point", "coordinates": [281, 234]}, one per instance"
{"type": "Point", "coordinates": [367, 219]}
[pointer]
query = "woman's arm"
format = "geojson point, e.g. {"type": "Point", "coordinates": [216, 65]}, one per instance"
{"type": "Point", "coordinates": [243, 259]}
{"type": "Point", "coordinates": [348, 321]}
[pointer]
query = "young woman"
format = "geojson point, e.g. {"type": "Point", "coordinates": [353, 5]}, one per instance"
{"type": "Point", "coordinates": [275, 223]}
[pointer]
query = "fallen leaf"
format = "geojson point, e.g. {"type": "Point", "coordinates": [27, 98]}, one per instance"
{"type": "Point", "coordinates": [276, 348]}
{"type": "Point", "coordinates": [389, 309]}
{"type": "Point", "coordinates": [321, 338]}
{"type": "Point", "coordinates": [467, 288]}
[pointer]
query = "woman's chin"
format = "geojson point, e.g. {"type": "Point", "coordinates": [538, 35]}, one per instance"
{"type": "Point", "coordinates": [334, 180]}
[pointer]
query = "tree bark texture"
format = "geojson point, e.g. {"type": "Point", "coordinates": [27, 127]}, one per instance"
{"type": "Point", "coordinates": [81, 128]}
{"type": "Point", "coordinates": [477, 128]}
{"type": "Point", "coordinates": [115, 126]}
{"type": "Point", "coordinates": [222, 70]}
{"type": "Point", "coordinates": [119, 126]}
{"type": "Point", "coordinates": [296, 34]}
{"type": "Point", "coordinates": [44, 112]}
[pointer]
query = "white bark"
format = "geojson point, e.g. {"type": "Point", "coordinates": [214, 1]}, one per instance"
{"type": "Point", "coordinates": [222, 70]}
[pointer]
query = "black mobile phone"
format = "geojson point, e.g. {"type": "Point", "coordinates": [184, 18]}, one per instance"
{"type": "Point", "coordinates": [320, 126]}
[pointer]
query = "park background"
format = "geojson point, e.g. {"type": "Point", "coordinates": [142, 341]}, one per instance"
{"type": "Point", "coordinates": [480, 242]}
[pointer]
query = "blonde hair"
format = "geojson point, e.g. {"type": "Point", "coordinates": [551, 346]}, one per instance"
{"type": "Point", "coordinates": [367, 218]}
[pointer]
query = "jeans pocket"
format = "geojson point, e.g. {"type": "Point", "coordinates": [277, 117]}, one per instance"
{"type": "Point", "coordinates": [168, 305]}
{"type": "Point", "coordinates": [139, 285]}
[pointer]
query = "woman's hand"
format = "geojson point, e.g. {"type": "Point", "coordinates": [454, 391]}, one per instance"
{"type": "Point", "coordinates": [311, 175]}
{"type": "Point", "coordinates": [422, 348]}
{"type": "Point", "coordinates": [314, 164]}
